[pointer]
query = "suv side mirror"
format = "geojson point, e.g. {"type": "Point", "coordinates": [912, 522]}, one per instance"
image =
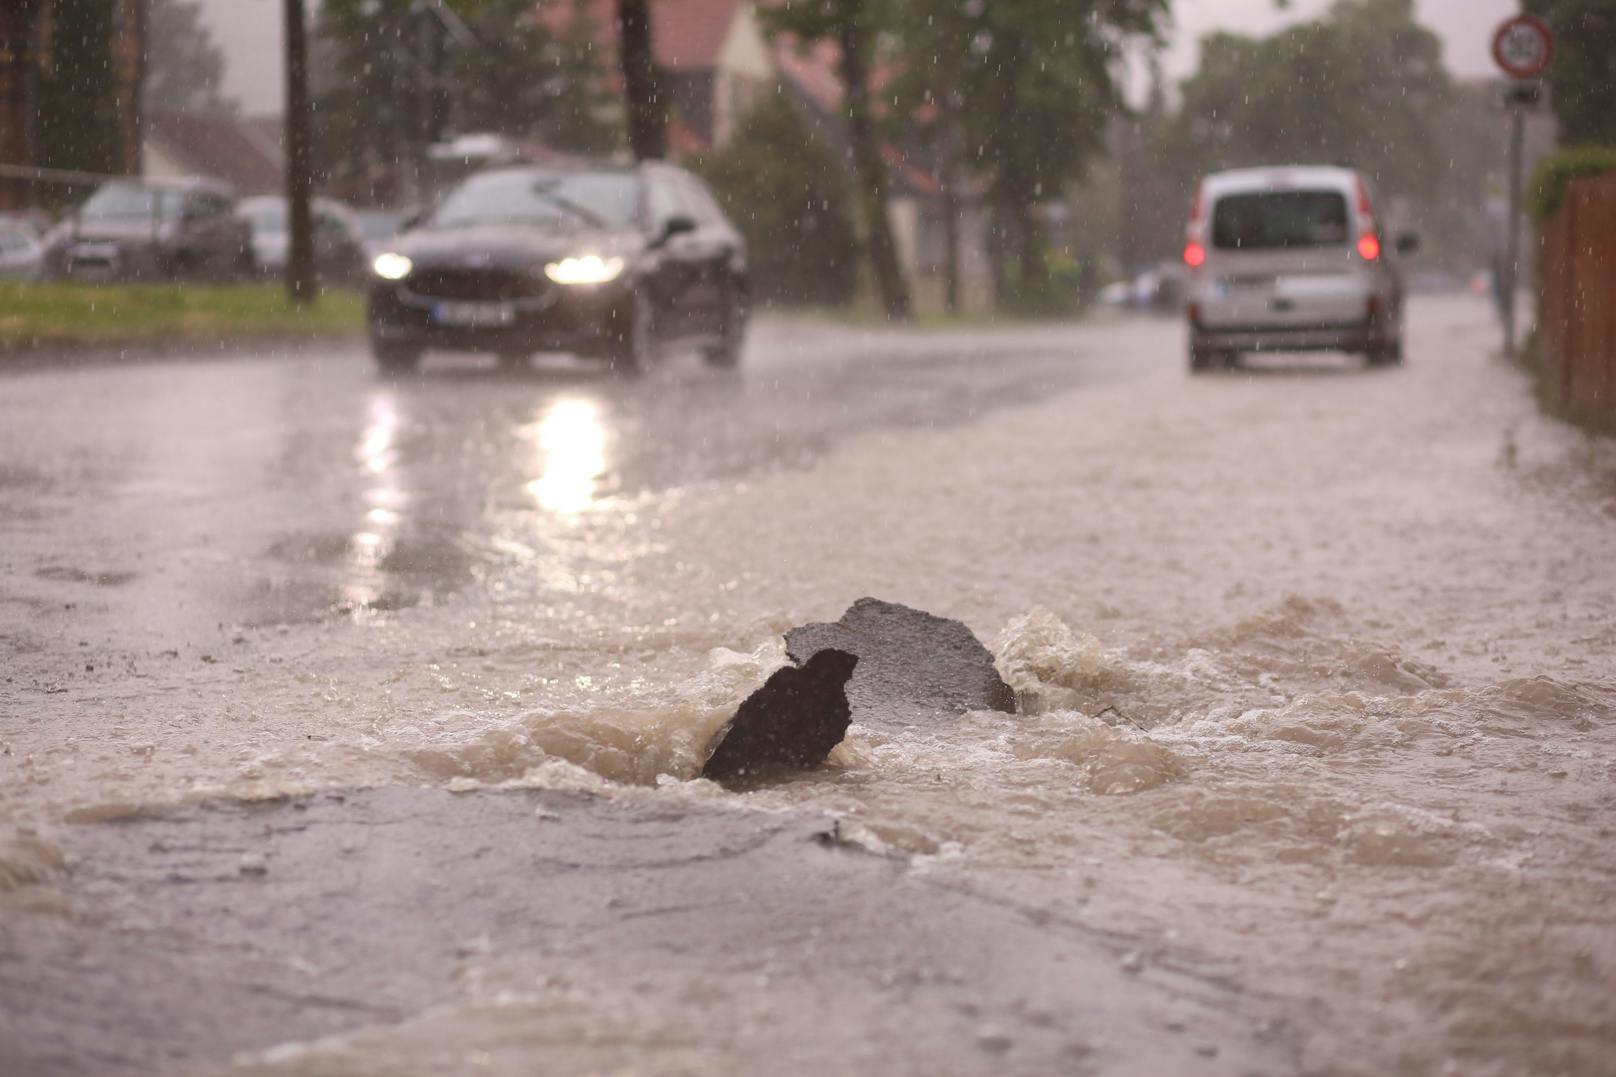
{"type": "Point", "coordinates": [1408, 243]}
{"type": "Point", "coordinates": [676, 225]}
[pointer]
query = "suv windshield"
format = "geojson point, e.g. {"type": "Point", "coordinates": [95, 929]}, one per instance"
{"type": "Point", "coordinates": [129, 201]}
{"type": "Point", "coordinates": [546, 199]}
{"type": "Point", "coordinates": [1263, 220]}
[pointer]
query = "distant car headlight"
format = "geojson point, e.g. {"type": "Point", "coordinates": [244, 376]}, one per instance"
{"type": "Point", "coordinates": [391, 266]}
{"type": "Point", "coordinates": [590, 269]}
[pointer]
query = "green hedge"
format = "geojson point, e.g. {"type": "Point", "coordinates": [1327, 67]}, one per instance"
{"type": "Point", "coordinates": [1556, 171]}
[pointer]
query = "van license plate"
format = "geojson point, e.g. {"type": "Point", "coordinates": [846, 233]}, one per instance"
{"type": "Point", "coordinates": [474, 315]}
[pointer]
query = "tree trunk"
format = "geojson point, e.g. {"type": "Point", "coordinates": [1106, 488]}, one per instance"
{"type": "Point", "coordinates": [872, 171]}
{"type": "Point", "coordinates": [647, 121]}
{"type": "Point", "coordinates": [301, 283]}
{"type": "Point", "coordinates": [951, 171]}
{"type": "Point", "coordinates": [17, 19]}
{"type": "Point", "coordinates": [1032, 286]}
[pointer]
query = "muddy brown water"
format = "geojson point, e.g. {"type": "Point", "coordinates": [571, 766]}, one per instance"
{"type": "Point", "coordinates": [1312, 770]}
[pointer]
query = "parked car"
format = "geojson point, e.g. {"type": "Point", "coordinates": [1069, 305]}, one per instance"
{"type": "Point", "coordinates": [1159, 288]}
{"type": "Point", "coordinates": [340, 252]}
{"type": "Point", "coordinates": [20, 251]}
{"type": "Point", "coordinates": [152, 230]}
{"type": "Point", "coordinates": [1291, 259]}
{"type": "Point", "coordinates": [605, 261]}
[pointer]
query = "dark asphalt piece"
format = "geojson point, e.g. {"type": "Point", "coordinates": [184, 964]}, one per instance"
{"type": "Point", "coordinates": [913, 667]}
{"type": "Point", "coordinates": [213, 929]}
{"type": "Point", "coordinates": [794, 720]}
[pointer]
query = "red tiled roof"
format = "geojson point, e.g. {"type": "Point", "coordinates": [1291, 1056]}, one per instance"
{"type": "Point", "coordinates": [686, 35]}
{"type": "Point", "coordinates": [220, 146]}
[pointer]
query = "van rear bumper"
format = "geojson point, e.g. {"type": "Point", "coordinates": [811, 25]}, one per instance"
{"type": "Point", "coordinates": [1357, 336]}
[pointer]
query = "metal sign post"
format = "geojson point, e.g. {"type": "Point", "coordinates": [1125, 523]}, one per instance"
{"type": "Point", "coordinates": [1522, 47]}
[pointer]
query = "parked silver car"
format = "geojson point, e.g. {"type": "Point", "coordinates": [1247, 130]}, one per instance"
{"type": "Point", "coordinates": [151, 230]}
{"type": "Point", "coordinates": [340, 250]}
{"type": "Point", "coordinates": [20, 251]}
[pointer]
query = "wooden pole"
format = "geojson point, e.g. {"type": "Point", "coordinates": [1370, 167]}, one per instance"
{"type": "Point", "coordinates": [301, 283]}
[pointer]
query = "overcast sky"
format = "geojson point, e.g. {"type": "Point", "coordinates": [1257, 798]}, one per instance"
{"type": "Point", "coordinates": [250, 33]}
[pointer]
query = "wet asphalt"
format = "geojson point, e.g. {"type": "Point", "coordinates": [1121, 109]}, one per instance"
{"type": "Point", "coordinates": [244, 481]}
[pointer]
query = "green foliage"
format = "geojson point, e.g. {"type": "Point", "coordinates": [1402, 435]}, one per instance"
{"type": "Point", "coordinates": [526, 82]}
{"type": "Point", "coordinates": [184, 65]}
{"type": "Point", "coordinates": [77, 104]}
{"type": "Point", "coordinates": [789, 195]}
{"type": "Point", "coordinates": [1363, 86]}
{"type": "Point", "coordinates": [1582, 75]}
{"type": "Point", "coordinates": [519, 79]}
{"type": "Point", "coordinates": [1556, 171]}
{"type": "Point", "coordinates": [68, 314]}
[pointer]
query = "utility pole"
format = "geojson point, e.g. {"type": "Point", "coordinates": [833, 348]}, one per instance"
{"type": "Point", "coordinates": [301, 283]}
{"type": "Point", "coordinates": [646, 127]}
{"type": "Point", "coordinates": [129, 60]}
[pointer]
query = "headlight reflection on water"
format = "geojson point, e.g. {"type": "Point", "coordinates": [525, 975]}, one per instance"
{"type": "Point", "coordinates": [377, 458]}
{"type": "Point", "coordinates": [572, 450]}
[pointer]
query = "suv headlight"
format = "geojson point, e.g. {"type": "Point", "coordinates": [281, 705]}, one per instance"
{"type": "Point", "coordinates": [590, 269]}
{"type": "Point", "coordinates": [391, 266]}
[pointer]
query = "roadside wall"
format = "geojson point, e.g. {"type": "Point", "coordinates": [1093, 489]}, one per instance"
{"type": "Point", "coordinates": [1576, 300]}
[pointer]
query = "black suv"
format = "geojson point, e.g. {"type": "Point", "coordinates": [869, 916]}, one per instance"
{"type": "Point", "coordinates": [152, 230]}
{"type": "Point", "coordinates": [602, 261]}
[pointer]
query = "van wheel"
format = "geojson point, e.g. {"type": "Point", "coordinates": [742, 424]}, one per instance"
{"type": "Point", "coordinates": [1387, 353]}
{"type": "Point", "coordinates": [1203, 359]}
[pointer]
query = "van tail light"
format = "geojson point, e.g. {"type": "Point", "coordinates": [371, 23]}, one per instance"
{"type": "Point", "coordinates": [1193, 312]}
{"type": "Point", "coordinates": [1368, 247]}
{"type": "Point", "coordinates": [1371, 308]}
{"type": "Point", "coordinates": [1195, 207]}
{"type": "Point", "coordinates": [1194, 254]}
{"type": "Point", "coordinates": [1364, 210]}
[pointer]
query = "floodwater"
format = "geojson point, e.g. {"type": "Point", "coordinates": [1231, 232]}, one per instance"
{"type": "Point", "coordinates": [1315, 669]}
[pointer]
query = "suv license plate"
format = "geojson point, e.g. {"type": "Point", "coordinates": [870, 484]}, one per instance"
{"type": "Point", "coordinates": [474, 315]}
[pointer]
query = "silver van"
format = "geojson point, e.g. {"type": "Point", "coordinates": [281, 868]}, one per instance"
{"type": "Point", "coordinates": [1290, 259]}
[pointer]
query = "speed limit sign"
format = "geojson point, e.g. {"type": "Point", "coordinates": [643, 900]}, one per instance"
{"type": "Point", "coordinates": [1523, 46]}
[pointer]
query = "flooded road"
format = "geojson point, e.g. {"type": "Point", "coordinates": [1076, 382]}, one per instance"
{"type": "Point", "coordinates": [352, 727]}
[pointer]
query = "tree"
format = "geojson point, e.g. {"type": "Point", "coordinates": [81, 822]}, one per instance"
{"type": "Point", "coordinates": [1582, 76]}
{"type": "Point", "coordinates": [184, 65]}
{"type": "Point", "coordinates": [527, 81]}
{"type": "Point", "coordinates": [392, 90]}
{"type": "Point", "coordinates": [647, 117]}
{"type": "Point", "coordinates": [18, 32]}
{"type": "Point", "coordinates": [854, 26]}
{"type": "Point", "coordinates": [76, 88]}
{"type": "Point", "coordinates": [1036, 84]}
{"type": "Point", "coordinates": [785, 190]}
{"type": "Point", "coordinates": [1363, 86]}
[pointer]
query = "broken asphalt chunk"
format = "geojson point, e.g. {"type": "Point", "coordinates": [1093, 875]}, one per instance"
{"type": "Point", "coordinates": [913, 667]}
{"type": "Point", "coordinates": [794, 720]}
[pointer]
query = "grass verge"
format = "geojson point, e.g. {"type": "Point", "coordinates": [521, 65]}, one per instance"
{"type": "Point", "coordinates": [37, 317]}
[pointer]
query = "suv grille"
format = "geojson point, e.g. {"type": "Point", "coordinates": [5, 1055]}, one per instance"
{"type": "Point", "coordinates": [474, 284]}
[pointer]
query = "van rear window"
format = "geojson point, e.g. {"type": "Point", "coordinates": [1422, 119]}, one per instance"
{"type": "Point", "coordinates": [1265, 220]}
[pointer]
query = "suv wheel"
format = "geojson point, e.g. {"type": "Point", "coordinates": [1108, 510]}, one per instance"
{"type": "Point", "coordinates": [726, 353]}
{"type": "Point", "coordinates": [395, 358]}
{"type": "Point", "coordinates": [636, 349]}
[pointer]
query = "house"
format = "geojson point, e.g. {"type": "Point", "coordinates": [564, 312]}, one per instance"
{"type": "Point", "coordinates": [243, 151]}
{"type": "Point", "coordinates": [712, 56]}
